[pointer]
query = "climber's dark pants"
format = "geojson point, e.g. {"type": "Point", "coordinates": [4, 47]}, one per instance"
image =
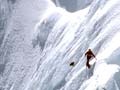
{"type": "Point", "coordinates": [87, 63]}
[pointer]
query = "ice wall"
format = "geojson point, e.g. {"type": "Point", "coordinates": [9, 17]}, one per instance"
{"type": "Point", "coordinates": [99, 30]}
{"type": "Point", "coordinates": [40, 40]}
{"type": "Point", "coordinates": [17, 55]}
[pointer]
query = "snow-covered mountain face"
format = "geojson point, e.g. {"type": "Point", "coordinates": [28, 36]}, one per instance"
{"type": "Point", "coordinates": [40, 40]}
{"type": "Point", "coordinates": [5, 10]}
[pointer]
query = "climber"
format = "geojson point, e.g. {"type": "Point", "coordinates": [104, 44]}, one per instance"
{"type": "Point", "coordinates": [89, 54]}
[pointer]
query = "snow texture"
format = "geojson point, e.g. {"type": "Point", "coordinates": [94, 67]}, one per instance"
{"type": "Point", "coordinates": [38, 41]}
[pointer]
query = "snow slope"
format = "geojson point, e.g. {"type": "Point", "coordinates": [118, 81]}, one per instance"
{"type": "Point", "coordinates": [17, 55]}
{"type": "Point", "coordinates": [40, 42]}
